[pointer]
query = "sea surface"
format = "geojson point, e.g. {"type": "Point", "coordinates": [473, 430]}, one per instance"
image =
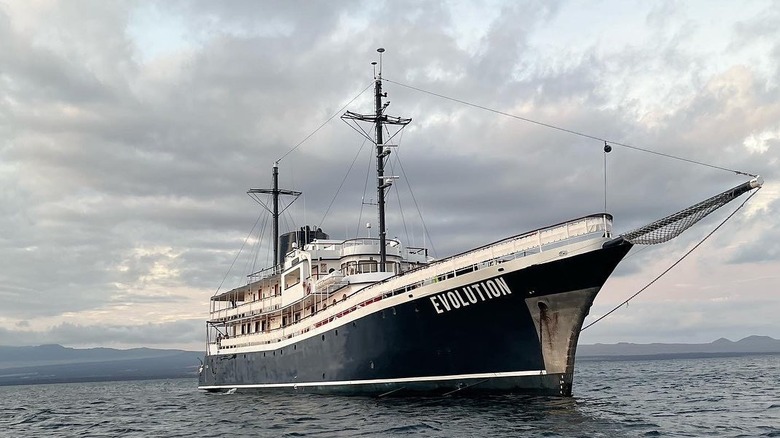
{"type": "Point", "coordinates": [731, 396]}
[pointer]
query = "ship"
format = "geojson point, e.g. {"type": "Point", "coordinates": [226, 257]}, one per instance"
{"type": "Point", "coordinates": [373, 316]}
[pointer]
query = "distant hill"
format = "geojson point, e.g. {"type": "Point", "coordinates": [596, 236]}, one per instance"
{"type": "Point", "coordinates": [720, 347]}
{"type": "Point", "coordinates": [57, 364]}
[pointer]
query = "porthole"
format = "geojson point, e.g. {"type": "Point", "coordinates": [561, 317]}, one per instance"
{"type": "Point", "coordinates": [323, 375]}
{"type": "Point", "coordinates": [295, 347]}
{"type": "Point", "coordinates": [500, 269]}
{"type": "Point", "coordinates": [394, 311]}
{"type": "Point", "coordinates": [337, 332]}
{"type": "Point", "coordinates": [323, 337]}
{"type": "Point", "coordinates": [354, 325]}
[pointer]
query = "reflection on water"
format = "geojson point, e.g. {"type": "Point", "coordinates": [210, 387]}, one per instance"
{"type": "Point", "coordinates": [508, 415]}
{"type": "Point", "coordinates": [681, 397]}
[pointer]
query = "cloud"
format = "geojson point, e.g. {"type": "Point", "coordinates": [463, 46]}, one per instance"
{"type": "Point", "coordinates": [732, 317]}
{"type": "Point", "coordinates": [129, 132]}
{"type": "Point", "coordinates": [177, 334]}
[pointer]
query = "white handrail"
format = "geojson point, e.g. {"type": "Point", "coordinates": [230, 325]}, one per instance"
{"type": "Point", "coordinates": [508, 249]}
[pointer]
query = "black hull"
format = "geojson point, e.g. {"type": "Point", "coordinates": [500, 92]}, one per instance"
{"type": "Point", "coordinates": [459, 341]}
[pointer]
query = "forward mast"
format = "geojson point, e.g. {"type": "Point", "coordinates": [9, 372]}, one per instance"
{"type": "Point", "coordinates": [379, 120]}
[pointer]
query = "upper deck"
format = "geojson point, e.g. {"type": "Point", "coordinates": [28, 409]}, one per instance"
{"type": "Point", "coordinates": [345, 293]}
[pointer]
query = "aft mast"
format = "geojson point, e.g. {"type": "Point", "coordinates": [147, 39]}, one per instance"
{"type": "Point", "coordinates": [275, 191]}
{"type": "Point", "coordinates": [379, 120]}
{"type": "Point", "coordinates": [380, 165]}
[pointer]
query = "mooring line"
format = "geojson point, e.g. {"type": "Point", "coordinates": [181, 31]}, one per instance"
{"type": "Point", "coordinates": [673, 264]}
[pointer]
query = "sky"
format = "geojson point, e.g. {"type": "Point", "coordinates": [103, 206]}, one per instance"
{"type": "Point", "coordinates": [130, 132]}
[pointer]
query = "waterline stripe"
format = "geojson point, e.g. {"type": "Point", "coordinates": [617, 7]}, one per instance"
{"type": "Point", "coordinates": [379, 381]}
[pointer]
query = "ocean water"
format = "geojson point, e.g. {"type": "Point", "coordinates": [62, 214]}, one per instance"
{"type": "Point", "coordinates": [734, 396]}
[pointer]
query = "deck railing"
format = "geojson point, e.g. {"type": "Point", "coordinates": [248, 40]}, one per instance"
{"type": "Point", "coordinates": [502, 251]}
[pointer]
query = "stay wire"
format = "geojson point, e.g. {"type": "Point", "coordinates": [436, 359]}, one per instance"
{"type": "Point", "coordinates": [400, 205]}
{"type": "Point", "coordinates": [569, 131]}
{"type": "Point", "coordinates": [256, 247]}
{"type": "Point", "coordinates": [325, 122]}
{"type": "Point", "coordinates": [417, 206]}
{"type": "Point", "coordinates": [365, 190]}
{"type": "Point", "coordinates": [397, 192]}
{"type": "Point", "coordinates": [362, 145]}
{"type": "Point", "coordinates": [237, 255]}
{"type": "Point", "coordinates": [258, 244]}
{"type": "Point", "coordinates": [673, 264]}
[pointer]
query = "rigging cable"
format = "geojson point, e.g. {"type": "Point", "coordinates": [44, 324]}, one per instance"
{"type": "Point", "coordinates": [340, 110]}
{"type": "Point", "coordinates": [397, 192]}
{"type": "Point", "coordinates": [570, 131]}
{"type": "Point", "coordinates": [342, 184]}
{"type": "Point", "coordinates": [269, 256]}
{"type": "Point", "coordinates": [258, 245]}
{"type": "Point", "coordinates": [673, 264]}
{"type": "Point", "coordinates": [365, 188]}
{"type": "Point", "coordinates": [417, 206]}
{"type": "Point", "coordinates": [238, 254]}
{"type": "Point", "coordinates": [288, 225]}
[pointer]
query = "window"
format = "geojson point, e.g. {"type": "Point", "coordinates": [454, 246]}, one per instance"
{"type": "Point", "coordinates": [366, 266]}
{"type": "Point", "coordinates": [292, 278]}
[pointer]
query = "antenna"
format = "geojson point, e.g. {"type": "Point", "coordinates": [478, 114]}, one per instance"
{"type": "Point", "coordinates": [381, 51]}
{"type": "Point", "coordinates": [607, 149]}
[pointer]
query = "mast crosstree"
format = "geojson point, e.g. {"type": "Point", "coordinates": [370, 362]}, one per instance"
{"type": "Point", "coordinates": [379, 119]}
{"type": "Point", "coordinates": [275, 191]}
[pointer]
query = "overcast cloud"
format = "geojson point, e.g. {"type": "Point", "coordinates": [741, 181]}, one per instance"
{"type": "Point", "coordinates": [130, 132]}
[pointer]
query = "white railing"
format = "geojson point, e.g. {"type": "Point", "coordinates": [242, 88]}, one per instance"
{"type": "Point", "coordinates": [252, 307]}
{"type": "Point", "coordinates": [474, 260]}
{"type": "Point", "coordinates": [368, 245]}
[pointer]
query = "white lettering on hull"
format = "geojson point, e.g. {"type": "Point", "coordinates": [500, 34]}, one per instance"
{"type": "Point", "coordinates": [471, 294]}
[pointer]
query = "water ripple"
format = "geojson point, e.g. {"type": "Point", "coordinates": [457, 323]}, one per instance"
{"type": "Point", "coordinates": [683, 397]}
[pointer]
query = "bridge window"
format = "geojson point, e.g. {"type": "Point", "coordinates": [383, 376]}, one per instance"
{"type": "Point", "coordinates": [366, 266]}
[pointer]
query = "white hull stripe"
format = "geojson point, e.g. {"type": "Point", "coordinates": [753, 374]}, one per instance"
{"type": "Point", "coordinates": [381, 381]}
